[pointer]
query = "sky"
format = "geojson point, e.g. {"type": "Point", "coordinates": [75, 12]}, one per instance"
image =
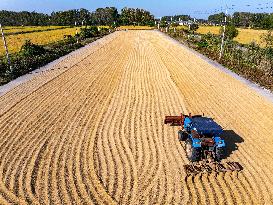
{"type": "Point", "coordinates": [159, 8]}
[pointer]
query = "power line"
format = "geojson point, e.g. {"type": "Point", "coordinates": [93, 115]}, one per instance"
{"type": "Point", "coordinates": [260, 6]}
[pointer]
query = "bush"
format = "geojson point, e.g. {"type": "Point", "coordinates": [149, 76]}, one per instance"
{"type": "Point", "coordinates": [103, 31]}
{"type": "Point", "coordinates": [174, 24]}
{"type": "Point", "coordinates": [151, 24]}
{"type": "Point", "coordinates": [89, 32]}
{"type": "Point", "coordinates": [193, 27]}
{"type": "Point", "coordinates": [203, 44]}
{"type": "Point", "coordinates": [30, 49]}
{"type": "Point", "coordinates": [70, 39]}
{"type": "Point", "coordinates": [163, 24]}
{"type": "Point", "coordinates": [268, 39]}
{"type": "Point", "coordinates": [3, 68]}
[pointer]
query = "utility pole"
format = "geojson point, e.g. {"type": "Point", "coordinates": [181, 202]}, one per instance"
{"type": "Point", "coordinates": [223, 36]}
{"type": "Point", "coordinates": [5, 45]}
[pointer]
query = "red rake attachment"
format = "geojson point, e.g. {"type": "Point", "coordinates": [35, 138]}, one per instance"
{"type": "Point", "coordinates": [211, 167]}
{"type": "Point", "coordinates": [174, 120]}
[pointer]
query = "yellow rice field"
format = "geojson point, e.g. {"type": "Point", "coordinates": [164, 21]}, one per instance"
{"type": "Point", "coordinates": [16, 41]}
{"type": "Point", "coordinates": [209, 29]}
{"type": "Point", "coordinates": [15, 29]}
{"type": "Point", "coordinates": [245, 35]}
{"type": "Point", "coordinates": [250, 35]}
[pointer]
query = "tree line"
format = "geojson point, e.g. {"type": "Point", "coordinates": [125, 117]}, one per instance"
{"type": "Point", "coordinates": [176, 18]}
{"type": "Point", "coordinates": [102, 16]}
{"type": "Point", "coordinates": [245, 19]}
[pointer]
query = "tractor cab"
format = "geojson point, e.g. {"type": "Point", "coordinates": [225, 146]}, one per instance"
{"type": "Point", "coordinates": [204, 126]}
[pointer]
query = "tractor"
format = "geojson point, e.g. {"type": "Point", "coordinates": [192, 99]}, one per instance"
{"type": "Point", "coordinates": [204, 146]}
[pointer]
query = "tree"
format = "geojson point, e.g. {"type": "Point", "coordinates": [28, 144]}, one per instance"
{"type": "Point", "coordinates": [253, 20]}
{"type": "Point", "coordinates": [105, 16]}
{"type": "Point", "coordinates": [65, 18]}
{"type": "Point", "coordinates": [131, 16]}
{"type": "Point", "coordinates": [176, 18]}
{"type": "Point", "coordinates": [242, 19]}
{"type": "Point", "coordinates": [163, 24]}
{"type": "Point", "coordinates": [102, 16]}
{"type": "Point", "coordinates": [25, 18]}
{"type": "Point", "coordinates": [231, 32]}
{"type": "Point", "coordinates": [182, 18]}
{"type": "Point", "coordinates": [84, 16]}
{"type": "Point", "coordinates": [217, 18]}
{"type": "Point", "coordinates": [166, 18]}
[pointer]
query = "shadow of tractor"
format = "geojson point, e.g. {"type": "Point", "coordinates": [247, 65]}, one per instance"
{"type": "Point", "coordinates": [232, 140]}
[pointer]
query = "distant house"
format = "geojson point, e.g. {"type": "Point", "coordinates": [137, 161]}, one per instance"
{"type": "Point", "coordinates": [185, 23]}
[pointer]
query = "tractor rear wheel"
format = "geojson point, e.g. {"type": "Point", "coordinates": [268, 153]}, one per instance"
{"type": "Point", "coordinates": [182, 136]}
{"type": "Point", "coordinates": [193, 154]}
{"type": "Point", "coordinates": [220, 153]}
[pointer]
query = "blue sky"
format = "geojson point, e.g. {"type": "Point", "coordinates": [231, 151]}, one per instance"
{"type": "Point", "coordinates": [196, 8]}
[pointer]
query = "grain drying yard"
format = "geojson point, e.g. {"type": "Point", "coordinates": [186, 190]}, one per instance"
{"type": "Point", "coordinates": [90, 129]}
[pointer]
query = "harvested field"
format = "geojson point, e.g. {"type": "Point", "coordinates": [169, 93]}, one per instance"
{"type": "Point", "coordinates": [90, 130]}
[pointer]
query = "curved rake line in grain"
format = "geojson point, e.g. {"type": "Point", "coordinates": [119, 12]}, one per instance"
{"type": "Point", "coordinates": [171, 148]}
{"type": "Point", "coordinates": [64, 139]}
{"type": "Point", "coordinates": [150, 171]}
{"type": "Point", "coordinates": [81, 149]}
{"type": "Point", "coordinates": [132, 192]}
{"type": "Point", "coordinates": [27, 104]}
{"type": "Point", "coordinates": [168, 142]}
{"type": "Point", "coordinates": [87, 178]}
{"type": "Point", "coordinates": [164, 94]}
{"type": "Point", "coordinates": [105, 128]}
{"type": "Point", "coordinates": [106, 152]}
{"type": "Point", "coordinates": [156, 158]}
{"type": "Point", "coordinates": [117, 143]}
{"type": "Point", "coordinates": [92, 142]}
{"type": "Point", "coordinates": [28, 116]}
{"type": "Point", "coordinates": [81, 192]}
{"type": "Point", "coordinates": [21, 175]}
{"type": "Point", "coordinates": [17, 172]}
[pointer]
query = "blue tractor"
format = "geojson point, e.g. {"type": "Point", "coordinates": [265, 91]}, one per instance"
{"type": "Point", "coordinates": [202, 138]}
{"type": "Point", "coordinates": [204, 146]}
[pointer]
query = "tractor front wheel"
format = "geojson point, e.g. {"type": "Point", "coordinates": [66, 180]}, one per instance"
{"type": "Point", "coordinates": [193, 154]}
{"type": "Point", "coordinates": [182, 136]}
{"type": "Point", "coordinates": [220, 153]}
